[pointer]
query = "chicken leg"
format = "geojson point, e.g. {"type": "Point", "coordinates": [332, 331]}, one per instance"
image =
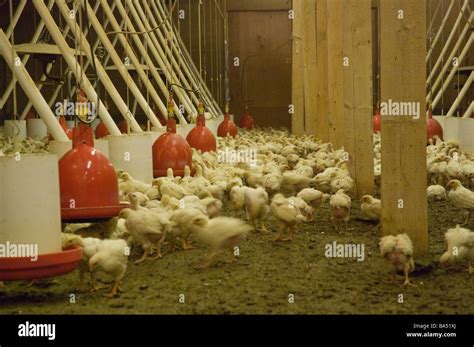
{"type": "Point", "coordinates": [208, 261]}
{"type": "Point", "coordinates": [185, 244]}
{"type": "Point", "coordinates": [407, 280]}
{"type": "Point", "coordinates": [468, 216]}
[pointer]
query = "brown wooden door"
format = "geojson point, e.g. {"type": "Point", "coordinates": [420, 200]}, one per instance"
{"type": "Point", "coordinates": [263, 38]}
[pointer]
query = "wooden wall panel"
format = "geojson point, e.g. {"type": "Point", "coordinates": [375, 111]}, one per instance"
{"type": "Point", "coordinates": [264, 39]}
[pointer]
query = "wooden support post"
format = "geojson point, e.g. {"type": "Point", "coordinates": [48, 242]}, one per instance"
{"type": "Point", "coordinates": [310, 73]}
{"type": "Point", "coordinates": [297, 83]}
{"type": "Point", "coordinates": [322, 116]}
{"type": "Point", "coordinates": [357, 73]}
{"type": "Point", "coordinates": [403, 76]}
{"type": "Point", "coordinates": [335, 79]}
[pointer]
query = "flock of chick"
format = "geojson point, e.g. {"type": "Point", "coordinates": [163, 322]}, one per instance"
{"type": "Point", "coordinates": [175, 211]}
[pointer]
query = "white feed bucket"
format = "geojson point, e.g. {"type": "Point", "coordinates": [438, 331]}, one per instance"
{"type": "Point", "coordinates": [15, 128]}
{"type": "Point", "coordinates": [133, 154]}
{"type": "Point", "coordinates": [36, 129]}
{"type": "Point", "coordinates": [30, 202]}
{"type": "Point", "coordinates": [184, 129]}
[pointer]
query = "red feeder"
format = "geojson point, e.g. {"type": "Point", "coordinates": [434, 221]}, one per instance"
{"type": "Point", "coordinates": [247, 121]}
{"type": "Point", "coordinates": [62, 122]}
{"type": "Point", "coordinates": [227, 127]}
{"type": "Point", "coordinates": [47, 265]}
{"type": "Point", "coordinates": [88, 182]}
{"type": "Point", "coordinates": [201, 137]}
{"type": "Point", "coordinates": [377, 119]}
{"type": "Point", "coordinates": [171, 150]}
{"type": "Point", "coordinates": [433, 128]}
{"type": "Point", "coordinates": [101, 131]}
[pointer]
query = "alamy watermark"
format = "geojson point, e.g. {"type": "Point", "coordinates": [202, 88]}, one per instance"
{"type": "Point", "coordinates": [19, 250]}
{"type": "Point", "coordinates": [232, 156]}
{"type": "Point", "coordinates": [400, 108]}
{"type": "Point", "coordinates": [348, 250]}
{"type": "Point", "coordinates": [84, 110]}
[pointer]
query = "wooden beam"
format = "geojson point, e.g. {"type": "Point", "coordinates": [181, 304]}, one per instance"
{"type": "Point", "coordinates": [403, 76]}
{"type": "Point", "coordinates": [260, 5]}
{"type": "Point", "coordinates": [322, 116]}
{"type": "Point", "coordinates": [310, 73]}
{"type": "Point", "coordinates": [335, 78]}
{"type": "Point", "coordinates": [357, 73]}
{"type": "Point", "coordinates": [297, 83]}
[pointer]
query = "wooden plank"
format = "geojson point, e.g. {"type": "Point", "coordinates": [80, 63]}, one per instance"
{"type": "Point", "coordinates": [310, 74]}
{"type": "Point", "coordinates": [322, 116]}
{"type": "Point", "coordinates": [335, 79]}
{"type": "Point", "coordinates": [297, 81]}
{"type": "Point", "coordinates": [357, 73]}
{"type": "Point", "coordinates": [403, 76]}
{"type": "Point", "coordinates": [264, 39]}
{"type": "Point", "coordinates": [260, 5]}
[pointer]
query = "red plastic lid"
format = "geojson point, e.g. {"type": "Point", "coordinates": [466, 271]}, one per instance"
{"type": "Point", "coordinates": [247, 121]}
{"type": "Point", "coordinates": [201, 138]}
{"type": "Point", "coordinates": [101, 130]}
{"type": "Point", "coordinates": [227, 127]}
{"type": "Point", "coordinates": [47, 265]}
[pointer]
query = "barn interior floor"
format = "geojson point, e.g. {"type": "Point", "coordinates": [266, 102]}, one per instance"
{"type": "Point", "coordinates": [266, 274]}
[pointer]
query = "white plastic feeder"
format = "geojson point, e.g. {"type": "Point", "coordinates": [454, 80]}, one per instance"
{"type": "Point", "coordinates": [133, 154]}
{"type": "Point", "coordinates": [29, 202]}
{"type": "Point", "coordinates": [36, 129]}
{"type": "Point", "coordinates": [184, 129]}
{"type": "Point", "coordinates": [15, 128]}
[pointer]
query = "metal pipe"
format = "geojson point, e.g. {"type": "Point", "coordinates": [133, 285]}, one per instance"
{"type": "Point", "coordinates": [461, 95]}
{"type": "Point", "coordinates": [102, 74]}
{"type": "Point", "coordinates": [122, 69]}
{"type": "Point", "coordinates": [133, 58]}
{"type": "Point", "coordinates": [30, 89]}
{"type": "Point", "coordinates": [16, 16]}
{"type": "Point", "coordinates": [469, 111]}
{"type": "Point", "coordinates": [440, 30]}
{"type": "Point", "coordinates": [71, 62]}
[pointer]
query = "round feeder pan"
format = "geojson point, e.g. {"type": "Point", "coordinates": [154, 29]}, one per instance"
{"type": "Point", "coordinates": [81, 214]}
{"type": "Point", "coordinates": [47, 265]}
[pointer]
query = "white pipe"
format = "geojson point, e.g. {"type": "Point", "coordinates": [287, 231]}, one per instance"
{"type": "Point", "coordinates": [26, 57]}
{"type": "Point", "coordinates": [169, 31]}
{"type": "Point", "coordinates": [122, 69]}
{"type": "Point", "coordinates": [30, 89]}
{"type": "Point", "coordinates": [48, 69]}
{"type": "Point", "coordinates": [102, 74]}
{"type": "Point", "coordinates": [133, 58]}
{"type": "Point", "coordinates": [76, 68]}
{"type": "Point", "coordinates": [440, 30]}
{"type": "Point", "coordinates": [453, 70]}
{"type": "Point", "coordinates": [448, 62]}
{"type": "Point", "coordinates": [433, 18]}
{"type": "Point", "coordinates": [167, 54]}
{"type": "Point", "coordinates": [461, 95]}
{"type": "Point", "coordinates": [469, 111]}
{"type": "Point", "coordinates": [447, 43]}
{"type": "Point", "coordinates": [162, 61]}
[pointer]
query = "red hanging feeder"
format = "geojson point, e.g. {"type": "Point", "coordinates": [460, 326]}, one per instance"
{"type": "Point", "coordinates": [377, 120]}
{"type": "Point", "coordinates": [227, 127]}
{"type": "Point", "coordinates": [201, 137]}
{"type": "Point", "coordinates": [171, 150]}
{"type": "Point", "coordinates": [88, 182]}
{"type": "Point", "coordinates": [433, 128]}
{"type": "Point", "coordinates": [123, 126]}
{"type": "Point", "coordinates": [62, 123]}
{"type": "Point", "coordinates": [101, 130]}
{"type": "Point", "coordinates": [247, 121]}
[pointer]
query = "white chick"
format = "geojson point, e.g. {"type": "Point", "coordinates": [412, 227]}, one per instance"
{"type": "Point", "coordinates": [460, 247]}
{"type": "Point", "coordinates": [111, 258]}
{"type": "Point", "coordinates": [461, 198]}
{"type": "Point", "coordinates": [221, 234]}
{"type": "Point", "coordinates": [398, 250]}
{"type": "Point", "coordinates": [129, 184]}
{"type": "Point", "coordinates": [340, 207]}
{"type": "Point", "coordinates": [287, 215]}
{"type": "Point", "coordinates": [371, 207]}
{"type": "Point", "coordinates": [436, 192]}
{"type": "Point", "coordinates": [147, 228]}
{"type": "Point", "coordinates": [295, 182]}
{"type": "Point", "coordinates": [312, 197]}
{"type": "Point", "coordinates": [172, 189]}
{"type": "Point", "coordinates": [212, 206]}
{"type": "Point", "coordinates": [237, 196]}
{"type": "Point", "coordinates": [256, 206]}
{"type": "Point", "coordinates": [186, 220]}
{"type": "Point", "coordinates": [138, 201]}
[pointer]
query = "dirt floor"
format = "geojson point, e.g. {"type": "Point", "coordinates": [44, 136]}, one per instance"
{"type": "Point", "coordinates": [267, 275]}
